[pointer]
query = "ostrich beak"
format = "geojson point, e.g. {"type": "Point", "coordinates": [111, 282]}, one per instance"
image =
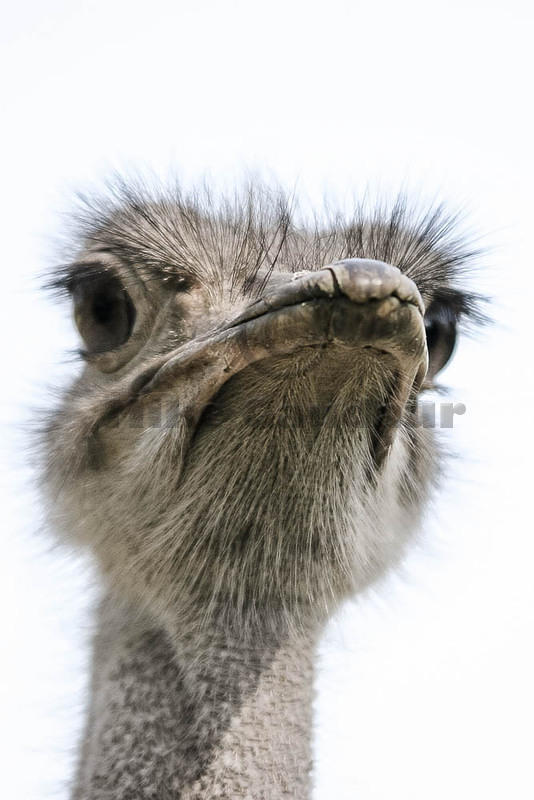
{"type": "Point", "coordinates": [355, 302]}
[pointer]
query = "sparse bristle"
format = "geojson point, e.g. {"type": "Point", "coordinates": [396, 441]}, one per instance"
{"type": "Point", "coordinates": [170, 234]}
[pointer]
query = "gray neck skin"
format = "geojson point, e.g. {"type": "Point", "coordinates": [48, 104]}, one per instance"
{"type": "Point", "coordinates": [196, 719]}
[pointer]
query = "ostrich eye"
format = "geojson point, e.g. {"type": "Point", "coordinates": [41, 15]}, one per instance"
{"type": "Point", "coordinates": [103, 312]}
{"type": "Point", "coordinates": [440, 326]}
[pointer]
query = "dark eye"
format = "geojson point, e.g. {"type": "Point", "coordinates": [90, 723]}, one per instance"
{"type": "Point", "coordinates": [440, 325]}
{"type": "Point", "coordinates": [103, 312]}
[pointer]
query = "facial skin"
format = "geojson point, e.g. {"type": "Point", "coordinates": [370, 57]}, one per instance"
{"type": "Point", "coordinates": [243, 434]}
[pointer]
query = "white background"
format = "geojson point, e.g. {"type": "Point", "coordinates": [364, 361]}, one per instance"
{"type": "Point", "coordinates": [425, 687]}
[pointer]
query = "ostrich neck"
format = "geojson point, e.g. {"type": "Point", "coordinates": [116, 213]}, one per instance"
{"type": "Point", "coordinates": [198, 718]}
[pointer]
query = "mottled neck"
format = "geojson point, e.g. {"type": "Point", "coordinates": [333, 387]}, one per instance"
{"type": "Point", "coordinates": [223, 715]}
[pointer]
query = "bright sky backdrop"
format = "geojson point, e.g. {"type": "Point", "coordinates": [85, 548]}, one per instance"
{"type": "Point", "coordinates": [425, 685]}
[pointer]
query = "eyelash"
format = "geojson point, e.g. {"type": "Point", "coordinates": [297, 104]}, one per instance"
{"type": "Point", "coordinates": [71, 278]}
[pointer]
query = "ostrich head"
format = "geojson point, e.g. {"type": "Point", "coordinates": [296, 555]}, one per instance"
{"type": "Point", "coordinates": [243, 437]}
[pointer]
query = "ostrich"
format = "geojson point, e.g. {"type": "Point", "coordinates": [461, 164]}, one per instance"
{"type": "Point", "coordinates": [241, 452]}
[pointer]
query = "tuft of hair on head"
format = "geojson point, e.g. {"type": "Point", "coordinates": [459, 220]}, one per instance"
{"type": "Point", "coordinates": [178, 234]}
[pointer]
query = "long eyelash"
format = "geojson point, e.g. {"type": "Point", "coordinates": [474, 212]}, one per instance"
{"type": "Point", "coordinates": [68, 277]}
{"type": "Point", "coordinates": [464, 306]}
